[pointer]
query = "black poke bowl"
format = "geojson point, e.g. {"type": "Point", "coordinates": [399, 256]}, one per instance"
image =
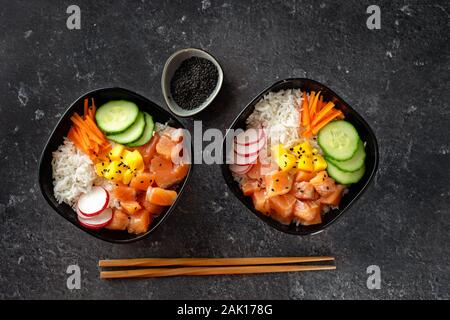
{"type": "Point", "coordinates": [354, 191]}
{"type": "Point", "coordinates": [56, 139]}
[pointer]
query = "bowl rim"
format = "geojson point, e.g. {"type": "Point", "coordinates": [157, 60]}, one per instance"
{"type": "Point", "coordinates": [209, 100]}
{"type": "Point", "coordinates": [89, 231]}
{"type": "Point", "coordinates": [271, 222]}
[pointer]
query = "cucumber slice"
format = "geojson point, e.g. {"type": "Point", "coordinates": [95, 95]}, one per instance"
{"type": "Point", "coordinates": [343, 177]}
{"type": "Point", "coordinates": [132, 133]}
{"type": "Point", "coordinates": [116, 116]}
{"type": "Point", "coordinates": [338, 140]}
{"type": "Point", "coordinates": [148, 132]}
{"type": "Point", "coordinates": [354, 163]}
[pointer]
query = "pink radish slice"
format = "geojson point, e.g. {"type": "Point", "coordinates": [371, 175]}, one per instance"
{"type": "Point", "coordinates": [243, 160]}
{"type": "Point", "coordinates": [251, 149]}
{"type": "Point", "coordinates": [94, 202]}
{"type": "Point", "coordinates": [99, 221]}
{"type": "Point", "coordinates": [81, 215]}
{"type": "Point", "coordinates": [249, 137]}
{"type": "Point", "coordinates": [240, 169]}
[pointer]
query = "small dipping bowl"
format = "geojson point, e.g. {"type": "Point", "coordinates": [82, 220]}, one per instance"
{"type": "Point", "coordinates": [172, 65]}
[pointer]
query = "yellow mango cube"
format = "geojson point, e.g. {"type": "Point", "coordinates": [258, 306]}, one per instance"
{"type": "Point", "coordinates": [134, 160]}
{"type": "Point", "coordinates": [319, 163]}
{"type": "Point", "coordinates": [306, 163]}
{"type": "Point", "coordinates": [116, 152]}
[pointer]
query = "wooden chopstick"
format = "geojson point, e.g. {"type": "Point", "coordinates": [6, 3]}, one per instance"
{"type": "Point", "coordinates": [204, 271]}
{"type": "Point", "coordinates": [160, 262]}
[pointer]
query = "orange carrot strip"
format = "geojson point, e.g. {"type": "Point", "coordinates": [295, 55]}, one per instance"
{"type": "Point", "coordinates": [93, 127]}
{"type": "Point", "coordinates": [323, 113]}
{"type": "Point", "coordinates": [86, 107]}
{"type": "Point", "coordinates": [305, 111]}
{"type": "Point", "coordinates": [313, 106]}
{"type": "Point", "coordinates": [75, 140]}
{"type": "Point", "coordinates": [93, 109]}
{"type": "Point", "coordinates": [324, 122]}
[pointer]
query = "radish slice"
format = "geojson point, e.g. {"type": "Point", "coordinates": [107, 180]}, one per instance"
{"type": "Point", "coordinates": [81, 215]}
{"type": "Point", "coordinates": [249, 137]}
{"type": "Point", "coordinates": [240, 169]}
{"type": "Point", "coordinates": [94, 202]}
{"type": "Point", "coordinates": [99, 221]}
{"type": "Point", "coordinates": [245, 160]}
{"type": "Point", "coordinates": [249, 150]}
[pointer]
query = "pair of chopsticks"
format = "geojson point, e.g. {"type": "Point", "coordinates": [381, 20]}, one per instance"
{"type": "Point", "coordinates": [168, 267]}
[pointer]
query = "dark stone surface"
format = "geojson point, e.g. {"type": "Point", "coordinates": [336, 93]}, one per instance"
{"type": "Point", "coordinates": [396, 77]}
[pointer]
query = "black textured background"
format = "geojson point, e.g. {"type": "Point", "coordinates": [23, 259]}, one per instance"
{"type": "Point", "coordinates": [396, 77]}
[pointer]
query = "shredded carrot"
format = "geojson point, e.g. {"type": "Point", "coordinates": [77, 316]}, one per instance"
{"type": "Point", "coordinates": [316, 113]}
{"type": "Point", "coordinates": [85, 134]}
{"type": "Point", "coordinates": [305, 112]}
{"type": "Point", "coordinates": [333, 114]}
{"type": "Point", "coordinates": [86, 107]}
{"type": "Point", "coordinates": [313, 106]}
{"type": "Point", "coordinates": [328, 107]}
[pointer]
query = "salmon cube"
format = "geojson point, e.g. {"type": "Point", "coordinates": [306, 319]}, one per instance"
{"type": "Point", "coordinates": [306, 211]}
{"type": "Point", "coordinates": [165, 146]}
{"type": "Point", "coordinates": [333, 198]}
{"type": "Point", "coordinates": [139, 222]}
{"type": "Point", "coordinates": [124, 193]}
{"type": "Point", "coordinates": [119, 221]}
{"type": "Point", "coordinates": [278, 183]}
{"type": "Point", "coordinates": [304, 191]}
{"type": "Point", "coordinates": [250, 187]}
{"type": "Point", "coordinates": [160, 196]}
{"type": "Point", "coordinates": [261, 202]}
{"type": "Point", "coordinates": [304, 176]}
{"type": "Point", "coordinates": [142, 181]}
{"type": "Point", "coordinates": [282, 208]}
{"type": "Point", "coordinates": [130, 207]}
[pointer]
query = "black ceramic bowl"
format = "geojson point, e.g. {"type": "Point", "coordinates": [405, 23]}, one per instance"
{"type": "Point", "coordinates": [355, 190]}
{"type": "Point", "coordinates": [56, 139]}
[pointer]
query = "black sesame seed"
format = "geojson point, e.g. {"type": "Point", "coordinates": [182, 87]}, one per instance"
{"type": "Point", "coordinates": [142, 181]}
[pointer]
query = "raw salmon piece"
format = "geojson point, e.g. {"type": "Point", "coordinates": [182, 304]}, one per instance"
{"type": "Point", "coordinates": [119, 221]}
{"type": "Point", "coordinates": [180, 172]}
{"type": "Point", "coordinates": [260, 201]}
{"type": "Point", "coordinates": [148, 150]}
{"type": "Point", "coordinates": [142, 181]}
{"type": "Point", "coordinates": [282, 208]}
{"type": "Point", "coordinates": [124, 193]}
{"type": "Point", "coordinates": [304, 191]}
{"type": "Point", "coordinates": [153, 208]}
{"type": "Point", "coordinates": [166, 174]}
{"type": "Point", "coordinates": [317, 220]}
{"type": "Point", "coordinates": [130, 207]}
{"type": "Point", "coordinates": [323, 184]}
{"type": "Point", "coordinates": [160, 164]}
{"type": "Point", "coordinates": [306, 211]}
{"type": "Point", "coordinates": [160, 196]}
{"type": "Point", "coordinates": [278, 183]}
{"type": "Point", "coordinates": [164, 146]}
{"type": "Point", "coordinates": [333, 198]}
{"type": "Point", "coordinates": [139, 222]}
{"type": "Point", "coordinates": [250, 187]}
{"type": "Point", "coordinates": [255, 171]}
{"type": "Point", "coordinates": [304, 176]}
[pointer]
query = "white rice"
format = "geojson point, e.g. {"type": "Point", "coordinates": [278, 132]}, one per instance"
{"type": "Point", "coordinates": [73, 173]}
{"type": "Point", "coordinates": [279, 114]}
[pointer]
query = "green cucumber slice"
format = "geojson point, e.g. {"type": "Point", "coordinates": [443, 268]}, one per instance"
{"type": "Point", "coordinates": [148, 132]}
{"type": "Point", "coordinates": [116, 116]}
{"type": "Point", "coordinates": [343, 177]}
{"type": "Point", "coordinates": [354, 163]}
{"type": "Point", "coordinates": [132, 133]}
{"type": "Point", "coordinates": [338, 140]}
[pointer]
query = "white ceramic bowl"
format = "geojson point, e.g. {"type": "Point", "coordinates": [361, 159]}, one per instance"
{"type": "Point", "coordinates": [172, 65]}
